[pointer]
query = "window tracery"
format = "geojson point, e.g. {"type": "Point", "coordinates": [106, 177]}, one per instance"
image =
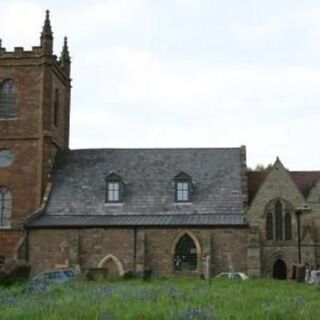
{"type": "Point", "coordinates": [185, 254]}
{"type": "Point", "coordinates": [279, 220]}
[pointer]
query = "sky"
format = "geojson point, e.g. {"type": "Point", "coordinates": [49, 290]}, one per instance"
{"type": "Point", "coordinates": [186, 73]}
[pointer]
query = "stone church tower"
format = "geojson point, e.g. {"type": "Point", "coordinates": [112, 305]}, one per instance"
{"type": "Point", "coordinates": [34, 125]}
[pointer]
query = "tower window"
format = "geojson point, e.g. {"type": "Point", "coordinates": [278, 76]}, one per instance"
{"type": "Point", "coordinates": [56, 108]}
{"type": "Point", "coordinates": [8, 95]}
{"type": "Point", "coordinates": [5, 207]}
{"type": "Point", "coordinates": [183, 187]}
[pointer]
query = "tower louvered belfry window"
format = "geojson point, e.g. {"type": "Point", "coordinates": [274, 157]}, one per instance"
{"type": "Point", "coordinates": [5, 207]}
{"type": "Point", "coordinates": [8, 97]}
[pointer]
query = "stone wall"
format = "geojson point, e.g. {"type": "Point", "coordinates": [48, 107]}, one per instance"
{"type": "Point", "coordinates": [263, 253]}
{"type": "Point", "coordinates": [136, 249]}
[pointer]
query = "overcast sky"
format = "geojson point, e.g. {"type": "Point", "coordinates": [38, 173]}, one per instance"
{"type": "Point", "coordinates": [187, 73]}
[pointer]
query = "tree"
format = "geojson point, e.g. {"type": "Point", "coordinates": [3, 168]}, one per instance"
{"type": "Point", "coordinates": [261, 167]}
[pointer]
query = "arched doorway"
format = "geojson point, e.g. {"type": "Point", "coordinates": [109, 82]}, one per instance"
{"type": "Point", "coordinates": [111, 265]}
{"type": "Point", "coordinates": [279, 269]}
{"type": "Point", "coordinates": [185, 254]}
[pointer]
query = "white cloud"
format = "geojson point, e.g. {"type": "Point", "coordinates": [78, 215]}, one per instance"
{"type": "Point", "coordinates": [20, 21]}
{"type": "Point", "coordinates": [192, 105]}
{"type": "Point", "coordinates": [137, 85]}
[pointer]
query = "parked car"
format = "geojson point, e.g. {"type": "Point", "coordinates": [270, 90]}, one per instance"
{"type": "Point", "coordinates": [232, 275]}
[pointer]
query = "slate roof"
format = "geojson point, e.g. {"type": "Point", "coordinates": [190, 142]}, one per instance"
{"type": "Point", "coordinates": [79, 189]}
{"type": "Point", "coordinates": [304, 180]}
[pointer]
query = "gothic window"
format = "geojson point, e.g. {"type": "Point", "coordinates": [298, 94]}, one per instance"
{"type": "Point", "coordinates": [185, 254]}
{"type": "Point", "coordinates": [278, 220]}
{"type": "Point", "coordinates": [183, 187]}
{"type": "Point", "coordinates": [269, 226]}
{"type": "Point", "coordinates": [288, 226]}
{"type": "Point", "coordinates": [115, 188]}
{"type": "Point", "coordinates": [8, 94]}
{"type": "Point", "coordinates": [56, 108]}
{"type": "Point", "coordinates": [5, 207]}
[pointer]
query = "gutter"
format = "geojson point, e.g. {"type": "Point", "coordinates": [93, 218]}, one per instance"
{"type": "Point", "coordinates": [40, 211]}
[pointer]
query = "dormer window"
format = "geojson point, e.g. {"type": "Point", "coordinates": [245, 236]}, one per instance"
{"type": "Point", "coordinates": [183, 187]}
{"type": "Point", "coordinates": [113, 191]}
{"type": "Point", "coordinates": [115, 188]}
{"type": "Point", "coordinates": [183, 192]}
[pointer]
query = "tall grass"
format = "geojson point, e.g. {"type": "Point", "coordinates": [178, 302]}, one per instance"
{"type": "Point", "coordinates": [163, 299]}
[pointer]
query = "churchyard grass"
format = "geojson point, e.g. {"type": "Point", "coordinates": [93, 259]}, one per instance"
{"type": "Point", "coordinates": [178, 299]}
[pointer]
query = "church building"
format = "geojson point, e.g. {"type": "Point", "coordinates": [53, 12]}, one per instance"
{"type": "Point", "coordinates": [196, 211]}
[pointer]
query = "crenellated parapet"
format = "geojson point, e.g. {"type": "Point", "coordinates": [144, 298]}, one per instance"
{"type": "Point", "coordinates": [20, 52]}
{"type": "Point", "coordinates": [42, 53]}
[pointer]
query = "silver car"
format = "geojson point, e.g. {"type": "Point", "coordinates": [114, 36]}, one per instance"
{"type": "Point", "coordinates": [232, 275]}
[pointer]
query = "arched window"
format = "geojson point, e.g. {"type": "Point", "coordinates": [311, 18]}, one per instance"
{"type": "Point", "coordinates": [278, 220]}
{"type": "Point", "coordinates": [5, 207]}
{"type": "Point", "coordinates": [269, 226]}
{"type": "Point", "coordinates": [288, 226]}
{"type": "Point", "coordinates": [185, 254]}
{"type": "Point", "coordinates": [8, 93]}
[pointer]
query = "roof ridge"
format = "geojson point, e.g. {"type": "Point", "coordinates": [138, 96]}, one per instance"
{"type": "Point", "coordinates": [144, 215]}
{"type": "Point", "coordinates": [160, 148]}
{"type": "Point", "coordinates": [305, 171]}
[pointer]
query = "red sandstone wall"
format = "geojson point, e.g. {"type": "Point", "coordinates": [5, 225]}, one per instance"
{"type": "Point", "coordinates": [87, 247]}
{"type": "Point", "coordinates": [31, 135]}
{"type": "Point", "coordinates": [8, 242]}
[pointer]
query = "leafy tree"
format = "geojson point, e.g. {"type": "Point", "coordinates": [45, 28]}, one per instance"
{"type": "Point", "coordinates": [261, 167]}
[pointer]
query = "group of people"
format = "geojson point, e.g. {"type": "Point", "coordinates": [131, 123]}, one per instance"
{"type": "Point", "coordinates": [305, 273]}
{"type": "Point", "coordinates": [312, 275]}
